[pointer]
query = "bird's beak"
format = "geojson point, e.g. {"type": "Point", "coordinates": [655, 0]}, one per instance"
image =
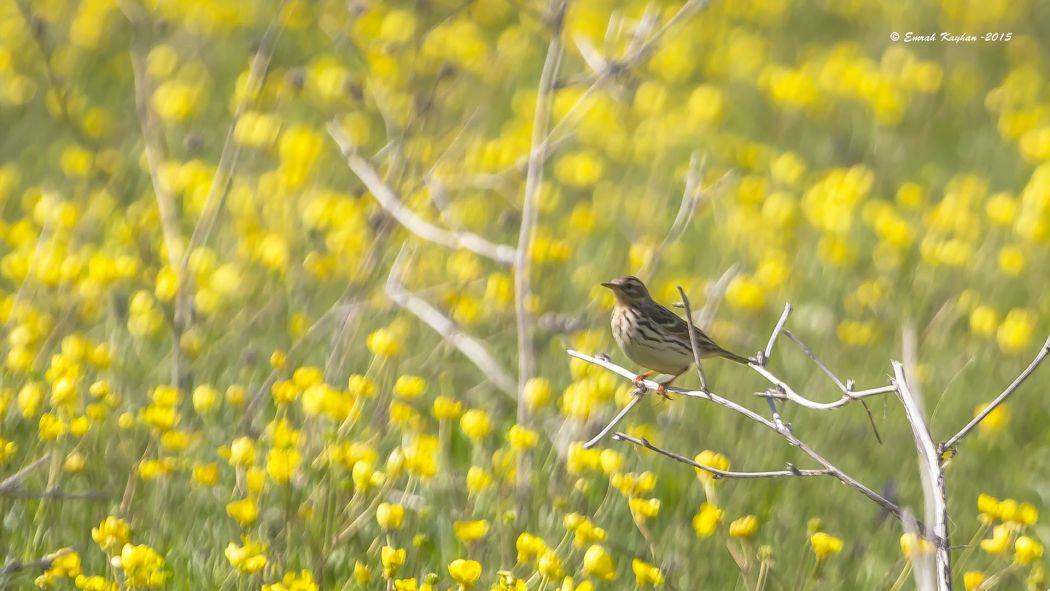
{"type": "Point", "coordinates": [609, 284]}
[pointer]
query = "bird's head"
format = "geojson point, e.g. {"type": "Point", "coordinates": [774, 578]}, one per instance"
{"type": "Point", "coordinates": [628, 290]}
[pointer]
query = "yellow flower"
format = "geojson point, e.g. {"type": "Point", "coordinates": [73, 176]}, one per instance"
{"type": "Point", "coordinates": [522, 438]}
{"type": "Point", "coordinates": [206, 474]}
{"type": "Point", "coordinates": [745, 293]}
{"type": "Point", "coordinates": [706, 520]}
{"type": "Point", "coordinates": [244, 511]}
{"type": "Point", "coordinates": [406, 585]}
{"type": "Point", "coordinates": [1027, 550]}
{"type": "Point", "coordinates": [446, 408]}
{"type": "Point", "coordinates": [995, 421]}
{"type": "Point", "coordinates": [142, 566]}
{"type": "Point", "coordinates": [999, 541]}
{"type": "Point", "coordinates": [646, 575]}
{"type": "Point", "coordinates": [611, 461]}
{"type": "Point", "coordinates": [537, 393]}
{"type": "Point", "coordinates": [529, 547]}
{"type": "Point", "coordinates": [824, 545]}
{"type": "Point", "coordinates": [549, 565]}
{"type": "Point", "coordinates": [568, 584]}
{"type": "Point", "coordinates": [1011, 260]}
{"type": "Point", "coordinates": [745, 527]}
{"type": "Point", "coordinates": [911, 544]}
{"type": "Point", "coordinates": [65, 563]}
{"type": "Point", "coordinates": [1027, 514]}
{"type": "Point", "coordinates": [392, 560]}
{"type": "Point", "coordinates": [712, 460]}
{"type": "Point", "coordinates": [51, 427]}
{"type": "Point", "coordinates": [74, 463]}
{"type": "Point", "coordinates": [478, 479]}
{"type": "Point", "coordinates": [1015, 333]}
{"type": "Point", "coordinates": [409, 387]}
{"type": "Point", "coordinates": [644, 508]}
{"type": "Point", "coordinates": [984, 321]}
{"type": "Point", "coordinates": [469, 532]}
{"type": "Point", "coordinates": [475, 424]}
{"type": "Point", "coordinates": [1007, 510]}
{"type": "Point", "coordinates": [988, 506]}
{"type": "Point", "coordinates": [242, 452]}
{"type": "Point", "coordinates": [300, 581]}
{"type": "Point", "coordinates": [111, 534]}
{"type": "Point", "coordinates": [248, 558]}
{"type": "Point", "coordinates": [384, 343]}
{"type": "Point", "coordinates": [599, 564]}
{"type": "Point", "coordinates": [972, 579]}
{"type": "Point", "coordinates": [390, 516]}
{"type": "Point", "coordinates": [7, 449]}
{"type": "Point", "coordinates": [281, 463]}
{"type": "Point", "coordinates": [362, 574]}
{"type": "Point", "coordinates": [465, 572]}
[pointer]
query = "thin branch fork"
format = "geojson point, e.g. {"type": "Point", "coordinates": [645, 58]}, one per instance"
{"type": "Point", "coordinates": [777, 427]}
{"type": "Point", "coordinates": [790, 471]}
{"type": "Point", "coordinates": [408, 219]}
{"type": "Point", "coordinates": [954, 440]}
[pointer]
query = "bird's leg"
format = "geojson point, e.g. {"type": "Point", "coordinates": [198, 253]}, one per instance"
{"type": "Point", "coordinates": [638, 379]}
{"type": "Point", "coordinates": [662, 388]}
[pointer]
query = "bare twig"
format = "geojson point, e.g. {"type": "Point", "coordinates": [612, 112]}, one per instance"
{"type": "Point", "coordinates": [45, 563]}
{"type": "Point", "coordinates": [714, 294]}
{"type": "Point", "coordinates": [389, 201]}
{"type": "Point", "coordinates": [954, 440]}
{"type": "Point", "coordinates": [787, 393]}
{"type": "Point", "coordinates": [56, 493]}
{"type": "Point", "coordinates": [471, 348]}
{"type": "Point", "coordinates": [791, 471]}
{"type": "Point", "coordinates": [635, 399]}
{"type": "Point", "coordinates": [932, 473]}
{"type": "Point", "coordinates": [692, 339]}
{"type": "Point", "coordinates": [230, 149]}
{"type": "Point", "coordinates": [12, 481]}
{"type": "Point", "coordinates": [651, 385]}
{"type": "Point", "coordinates": [777, 427]}
{"type": "Point", "coordinates": [813, 356]}
{"type": "Point", "coordinates": [768, 351]}
{"type": "Point", "coordinates": [523, 254]}
{"type": "Point", "coordinates": [692, 195]}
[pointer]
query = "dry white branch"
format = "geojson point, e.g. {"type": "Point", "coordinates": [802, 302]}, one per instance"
{"type": "Point", "coordinates": [471, 348]}
{"type": "Point", "coordinates": [257, 70]}
{"type": "Point", "coordinates": [11, 482]}
{"type": "Point", "coordinates": [768, 351]}
{"type": "Point", "coordinates": [533, 180]}
{"type": "Point", "coordinates": [389, 201]}
{"type": "Point", "coordinates": [1039, 358]}
{"type": "Point", "coordinates": [692, 340]}
{"type": "Point", "coordinates": [636, 398]}
{"type": "Point", "coordinates": [777, 427]}
{"type": "Point", "coordinates": [713, 297]}
{"type": "Point", "coordinates": [932, 474]}
{"type": "Point", "coordinates": [789, 472]}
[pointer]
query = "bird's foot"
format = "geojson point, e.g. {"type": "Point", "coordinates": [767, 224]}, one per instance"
{"type": "Point", "coordinates": [640, 379]}
{"type": "Point", "coordinates": [662, 391]}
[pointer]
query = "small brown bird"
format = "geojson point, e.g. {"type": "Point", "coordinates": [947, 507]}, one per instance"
{"type": "Point", "coordinates": [653, 336]}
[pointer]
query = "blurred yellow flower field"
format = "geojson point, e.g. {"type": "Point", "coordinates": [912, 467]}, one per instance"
{"type": "Point", "coordinates": [286, 289]}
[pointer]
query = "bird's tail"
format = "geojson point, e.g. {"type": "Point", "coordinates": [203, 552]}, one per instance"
{"type": "Point", "coordinates": [738, 358]}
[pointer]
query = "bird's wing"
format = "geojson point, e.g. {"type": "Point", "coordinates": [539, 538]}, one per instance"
{"type": "Point", "coordinates": [672, 323]}
{"type": "Point", "coordinates": [676, 325]}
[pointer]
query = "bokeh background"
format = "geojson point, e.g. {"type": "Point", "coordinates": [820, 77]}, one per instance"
{"type": "Point", "coordinates": [206, 382]}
